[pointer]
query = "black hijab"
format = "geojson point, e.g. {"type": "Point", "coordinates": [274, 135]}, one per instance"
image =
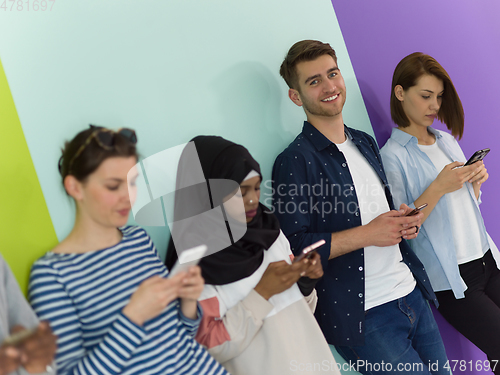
{"type": "Point", "coordinates": [220, 160]}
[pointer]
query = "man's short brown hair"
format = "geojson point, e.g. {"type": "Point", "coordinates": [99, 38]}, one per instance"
{"type": "Point", "coordinates": [305, 50]}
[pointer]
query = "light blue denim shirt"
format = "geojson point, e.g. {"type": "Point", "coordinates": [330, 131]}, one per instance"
{"type": "Point", "coordinates": [409, 172]}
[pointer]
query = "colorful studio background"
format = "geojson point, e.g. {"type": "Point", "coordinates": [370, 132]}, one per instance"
{"type": "Point", "coordinates": [175, 69]}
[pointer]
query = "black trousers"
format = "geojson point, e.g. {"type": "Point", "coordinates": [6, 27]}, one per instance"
{"type": "Point", "coordinates": [477, 316]}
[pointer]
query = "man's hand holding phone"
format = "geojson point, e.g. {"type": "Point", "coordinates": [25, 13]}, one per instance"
{"type": "Point", "coordinates": [39, 349]}
{"type": "Point", "coordinates": [389, 228]}
{"type": "Point", "coordinates": [10, 359]}
{"type": "Point", "coordinates": [34, 349]}
{"type": "Point", "coordinates": [415, 212]}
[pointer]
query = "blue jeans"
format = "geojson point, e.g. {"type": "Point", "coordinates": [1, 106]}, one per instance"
{"type": "Point", "coordinates": [401, 337]}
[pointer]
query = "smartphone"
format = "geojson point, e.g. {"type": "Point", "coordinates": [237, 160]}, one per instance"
{"type": "Point", "coordinates": [188, 258]}
{"type": "Point", "coordinates": [309, 251]}
{"type": "Point", "coordinates": [416, 210]}
{"type": "Point", "coordinates": [477, 156]}
{"type": "Point", "coordinates": [18, 337]}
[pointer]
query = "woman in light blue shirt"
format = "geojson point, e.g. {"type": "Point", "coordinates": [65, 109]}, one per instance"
{"type": "Point", "coordinates": [425, 165]}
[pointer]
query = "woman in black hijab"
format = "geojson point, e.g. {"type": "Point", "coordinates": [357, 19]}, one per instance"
{"type": "Point", "coordinates": [224, 165]}
{"type": "Point", "coordinates": [256, 320]}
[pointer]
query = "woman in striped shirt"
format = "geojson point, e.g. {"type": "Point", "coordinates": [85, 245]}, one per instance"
{"type": "Point", "coordinates": [104, 289]}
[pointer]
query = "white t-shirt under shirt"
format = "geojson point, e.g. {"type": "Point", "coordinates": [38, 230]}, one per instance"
{"type": "Point", "coordinates": [387, 277]}
{"type": "Point", "coordinates": [470, 244]}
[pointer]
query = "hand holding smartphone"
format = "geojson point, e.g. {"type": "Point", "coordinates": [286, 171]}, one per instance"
{"type": "Point", "coordinates": [19, 337]}
{"type": "Point", "coordinates": [188, 258]}
{"type": "Point", "coordinates": [477, 156]}
{"type": "Point", "coordinates": [309, 251]}
{"type": "Point", "coordinates": [416, 210]}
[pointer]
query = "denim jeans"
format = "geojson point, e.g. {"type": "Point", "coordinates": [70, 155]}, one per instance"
{"type": "Point", "coordinates": [401, 337]}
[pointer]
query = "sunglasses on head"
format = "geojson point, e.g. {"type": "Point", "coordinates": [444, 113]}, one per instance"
{"type": "Point", "coordinates": [105, 138]}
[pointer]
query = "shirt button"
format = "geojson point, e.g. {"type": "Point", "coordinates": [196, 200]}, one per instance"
{"type": "Point", "coordinates": [357, 214]}
{"type": "Point", "coordinates": [360, 268]}
{"type": "Point", "coordinates": [360, 295]}
{"type": "Point", "coordinates": [344, 164]}
{"type": "Point", "coordinates": [352, 187]}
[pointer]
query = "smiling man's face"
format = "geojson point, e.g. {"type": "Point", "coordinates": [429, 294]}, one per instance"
{"type": "Point", "coordinates": [321, 88]}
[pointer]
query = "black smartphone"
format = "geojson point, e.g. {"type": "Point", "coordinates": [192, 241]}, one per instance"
{"type": "Point", "coordinates": [416, 210]}
{"type": "Point", "coordinates": [478, 155]}
{"type": "Point", "coordinates": [308, 251]}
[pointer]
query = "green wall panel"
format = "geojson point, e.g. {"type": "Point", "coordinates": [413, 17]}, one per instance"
{"type": "Point", "coordinates": [26, 228]}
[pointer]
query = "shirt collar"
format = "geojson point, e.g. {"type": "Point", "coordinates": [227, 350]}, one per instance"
{"type": "Point", "coordinates": [404, 138]}
{"type": "Point", "coordinates": [317, 138]}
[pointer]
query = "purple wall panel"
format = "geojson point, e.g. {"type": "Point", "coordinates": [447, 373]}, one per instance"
{"type": "Point", "coordinates": [464, 36]}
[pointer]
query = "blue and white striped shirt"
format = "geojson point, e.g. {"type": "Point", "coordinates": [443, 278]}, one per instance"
{"type": "Point", "coordinates": [82, 296]}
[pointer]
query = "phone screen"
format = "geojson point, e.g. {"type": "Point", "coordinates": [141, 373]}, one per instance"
{"type": "Point", "coordinates": [416, 210]}
{"type": "Point", "coordinates": [309, 251]}
{"type": "Point", "coordinates": [188, 258]}
{"type": "Point", "coordinates": [477, 156]}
